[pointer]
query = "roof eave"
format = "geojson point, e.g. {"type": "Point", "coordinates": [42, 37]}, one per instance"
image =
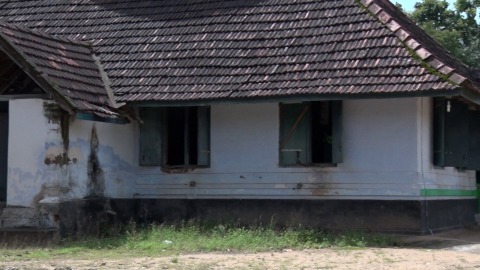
{"type": "Point", "coordinates": [440, 65]}
{"type": "Point", "coordinates": [41, 79]}
{"type": "Point", "coordinates": [296, 98]}
{"type": "Point", "coordinates": [471, 92]}
{"type": "Point", "coordinates": [96, 118]}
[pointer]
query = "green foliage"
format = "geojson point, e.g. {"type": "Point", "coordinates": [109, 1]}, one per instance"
{"type": "Point", "coordinates": [163, 240]}
{"type": "Point", "coordinates": [456, 29]}
{"type": "Point", "coordinates": [201, 238]}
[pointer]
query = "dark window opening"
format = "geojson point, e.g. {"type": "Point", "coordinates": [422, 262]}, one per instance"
{"type": "Point", "coordinates": [181, 139]}
{"type": "Point", "coordinates": [175, 136]}
{"type": "Point", "coordinates": [3, 150]}
{"type": "Point", "coordinates": [321, 132]}
{"type": "Point", "coordinates": [310, 133]}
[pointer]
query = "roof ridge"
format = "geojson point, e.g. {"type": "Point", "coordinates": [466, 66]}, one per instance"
{"type": "Point", "coordinates": [425, 47]}
{"type": "Point", "coordinates": [106, 83]}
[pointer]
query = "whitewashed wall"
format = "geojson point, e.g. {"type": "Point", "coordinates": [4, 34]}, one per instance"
{"type": "Point", "coordinates": [386, 144]}
{"type": "Point", "coordinates": [116, 154]}
{"type": "Point", "coordinates": [381, 142]}
{"type": "Point", "coordinates": [35, 142]}
{"type": "Point", "coordinates": [30, 134]}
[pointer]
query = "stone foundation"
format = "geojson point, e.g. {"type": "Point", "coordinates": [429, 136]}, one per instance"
{"type": "Point", "coordinates": [72, 218]}
{"type": "Point", "coordinates": [418, 217]}
{"type": "Point", "coordinates": [99, 216]}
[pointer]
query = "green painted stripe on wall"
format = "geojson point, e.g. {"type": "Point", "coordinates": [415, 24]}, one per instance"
{"type": "Point", "coordinates": [448, 192]}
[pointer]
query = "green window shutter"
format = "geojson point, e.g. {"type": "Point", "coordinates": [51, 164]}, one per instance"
{"type": "Point", "coordinates": [151, 132]}
{"type": "Point", "coordinates": [456, 135]}
{"type": "Point", "coordinates": [439, 108]}
{"type": "Point", "coordinates": [474, 141]}
{"type": "Point", "coordinates": [203, 137]}
{"type": "Point", "coordinates": [337, 129]}
{"type": "Point", "coordinates": [295, 142]}
{"type": "Point", "coordinates": [451, 133]}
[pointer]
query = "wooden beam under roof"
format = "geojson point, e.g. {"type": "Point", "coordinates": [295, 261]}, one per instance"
{"type": "Point", "coordinates": [13, 80]}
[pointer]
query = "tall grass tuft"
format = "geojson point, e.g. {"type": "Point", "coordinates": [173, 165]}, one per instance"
{"type": "Point", "coordinates": [165, 240]}
{"type": "Point", "coordinates": [174, 239]}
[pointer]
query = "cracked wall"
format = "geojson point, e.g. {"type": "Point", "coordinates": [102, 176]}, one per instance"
{"type": "Point", "coordinates": [55, 159]}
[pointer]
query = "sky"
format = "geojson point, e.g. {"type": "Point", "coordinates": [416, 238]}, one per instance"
{"type": "Point", "coordinates": [409, 4]}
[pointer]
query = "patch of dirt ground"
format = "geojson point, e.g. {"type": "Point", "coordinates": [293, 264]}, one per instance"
{"type": "Point", "coordinates": [451, 250]}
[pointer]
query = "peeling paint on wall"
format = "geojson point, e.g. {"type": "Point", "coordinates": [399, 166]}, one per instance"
{"type": "Point", "coordinates": [96, 181]}
{"type": "Point", "coordinates": [58, 116]}
{"type": "Point", "coordinates": [48, 169]}
{"type": "Point", "coordinates": [61, 159]}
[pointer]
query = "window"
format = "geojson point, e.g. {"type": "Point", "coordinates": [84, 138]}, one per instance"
{"type": "Point", "coordinates": [310, 133]}
{"type": "Point", "coordinates": [456, 134]}
{"type": "Point", "coordinates": [175, 136]}
{"type": "Point", "coordinates": [3, 150]}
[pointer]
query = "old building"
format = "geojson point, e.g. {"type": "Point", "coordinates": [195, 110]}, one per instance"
{"type": "Point", "coordinates": [332, 114]}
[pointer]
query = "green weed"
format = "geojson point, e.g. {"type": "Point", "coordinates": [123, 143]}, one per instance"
{"type": "Point", "coordinates": [166, 240]}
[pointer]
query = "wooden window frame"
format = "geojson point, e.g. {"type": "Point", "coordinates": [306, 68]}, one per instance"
{"type": "Point", "coordinates": [296, 147]}
{"type": "Point", "coordinates": [154, 142]}
{"type": "Point", "coordinates": [456, 134]}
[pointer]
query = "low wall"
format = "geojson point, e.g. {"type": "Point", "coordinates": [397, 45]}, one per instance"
{"type": "Point", "coordinates": [100, 216]}
{"type": "Point", "coordinates": [367, 215]}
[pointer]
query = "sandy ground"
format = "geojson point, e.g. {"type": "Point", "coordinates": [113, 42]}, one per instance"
{"type": "Point", "coordinates": [452, 250]}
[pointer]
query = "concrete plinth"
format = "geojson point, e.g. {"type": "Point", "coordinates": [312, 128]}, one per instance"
{"type": "Point", "coordinates": [19, 217]}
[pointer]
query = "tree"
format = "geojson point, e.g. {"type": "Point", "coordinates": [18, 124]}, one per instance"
{"type": "Point", "coordinates": [456, 29]}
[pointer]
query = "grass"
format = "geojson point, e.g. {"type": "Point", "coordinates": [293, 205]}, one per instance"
{"type": "Point", "coordinates": [163, 240]}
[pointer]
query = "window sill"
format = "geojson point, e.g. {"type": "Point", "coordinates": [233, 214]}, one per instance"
{"type": "Point", "coordinates": [315, 165]}
{"type": "Point", "coordinates": [181, 169]}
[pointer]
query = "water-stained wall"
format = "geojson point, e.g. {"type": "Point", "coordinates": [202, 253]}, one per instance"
{"type": "Point", "coordinates": [53, 158]}
{"type": "Point", "coordinates": [33, 140]}
{"type": "Point", "coordinates": [386, 155]}
{"type": "Point", "coordinates": [379, 157]}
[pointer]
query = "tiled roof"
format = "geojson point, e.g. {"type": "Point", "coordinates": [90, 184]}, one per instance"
{"type": "Point", "coordinates": [67, 68]}
{"type": "Point", "coordinates": [422, 44]}
{"type": "Point", "coordinates": [190, 50]}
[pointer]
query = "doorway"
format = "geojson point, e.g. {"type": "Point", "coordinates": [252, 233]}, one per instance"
{"type": "Point", "coordinates": [3, 150]}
